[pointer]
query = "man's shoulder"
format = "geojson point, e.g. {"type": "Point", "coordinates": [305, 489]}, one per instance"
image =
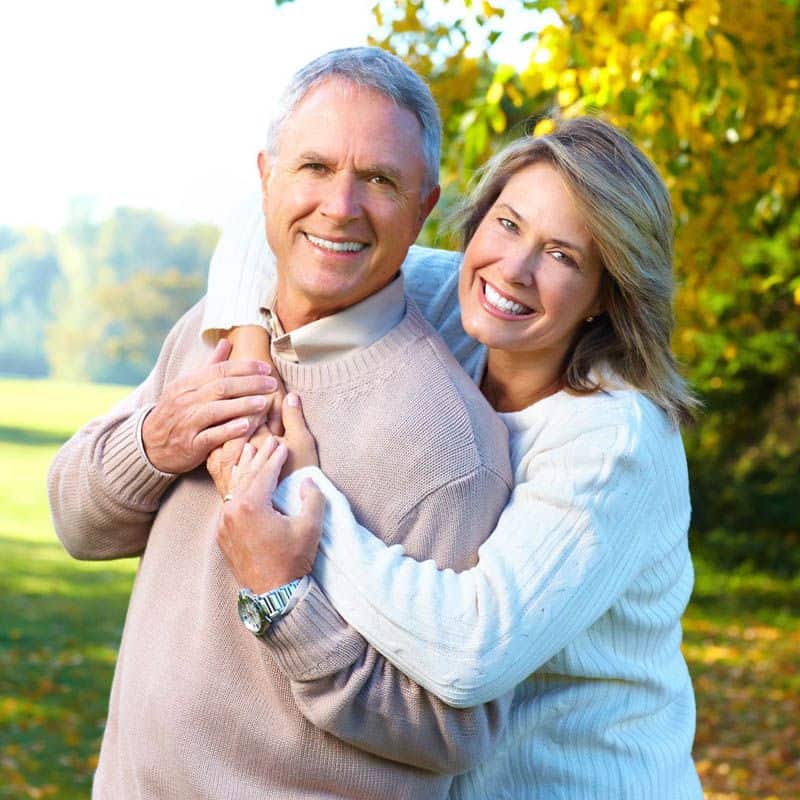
{"type": "Point", "coordinates": [453, 417]}
{"type": "Point", "coordinates": [183, 346]}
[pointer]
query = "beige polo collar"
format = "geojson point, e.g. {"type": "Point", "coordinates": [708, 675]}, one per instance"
{"type": "Point", "coordinates": [332, 337]}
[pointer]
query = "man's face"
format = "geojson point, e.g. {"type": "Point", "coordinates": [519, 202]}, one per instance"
{"type": "Point", "coordinates": [344, 199]}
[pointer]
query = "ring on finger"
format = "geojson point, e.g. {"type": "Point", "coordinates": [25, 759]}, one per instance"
{"type": "Point", "coordinates": [228, 497]}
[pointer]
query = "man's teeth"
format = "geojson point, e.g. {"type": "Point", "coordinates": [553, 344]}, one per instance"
{"type": "Point", "coordinates": [501, 304]}
{"type": "Point", "coordinates": [336, 247]}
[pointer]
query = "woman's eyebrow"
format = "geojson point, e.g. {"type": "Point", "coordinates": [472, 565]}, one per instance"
{"type": "Point", "coordinates": [511, 210]}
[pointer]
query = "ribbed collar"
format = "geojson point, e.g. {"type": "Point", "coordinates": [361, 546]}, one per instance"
{"type": "Point", "coordinates": [337, 335]}
{"type": "Point", "coordinates": [356, 365]}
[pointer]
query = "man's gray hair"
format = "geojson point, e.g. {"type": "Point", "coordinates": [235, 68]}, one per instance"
{"type": "Point", "coordinates": [374, 69]}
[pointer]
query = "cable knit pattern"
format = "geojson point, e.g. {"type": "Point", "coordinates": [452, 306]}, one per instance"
{"type": "Point", "coordinates": [200, 709]}
{"type": "Point", "coordinates": [576, 599]}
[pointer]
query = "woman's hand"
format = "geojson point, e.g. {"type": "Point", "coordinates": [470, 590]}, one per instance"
{"type": "Point", "coordinates": [300, 442]}
{"type": "Point", "coordinates": [264, 548]}
{"type": "Point", "coordinates": [249, 342]}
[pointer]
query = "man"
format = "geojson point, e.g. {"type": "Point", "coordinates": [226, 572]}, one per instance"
{"type": "Point", "coordinates": [200, 707]}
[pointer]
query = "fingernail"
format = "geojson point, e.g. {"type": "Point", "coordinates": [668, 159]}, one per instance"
{"type": "Point", "coordinates": [271, 385]}
{"type": "Point", "coordinates": [293, 400]}
{"type": "Point", "coordinates": [264, 368]}
{"type": "Point", "coordinates": [258, 402]}
{"type": "Point", "coordinates": [248, 450]}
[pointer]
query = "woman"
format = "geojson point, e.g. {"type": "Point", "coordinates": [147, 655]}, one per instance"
{"type": "Point", "coordinates": [576, 600]}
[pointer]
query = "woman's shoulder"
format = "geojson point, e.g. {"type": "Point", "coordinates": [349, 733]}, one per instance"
{"type": "Point", "coordinates": [619, 418]}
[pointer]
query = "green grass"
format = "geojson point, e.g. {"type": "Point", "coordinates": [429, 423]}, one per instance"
{"type": "Point", "coordinates": [61, 620]}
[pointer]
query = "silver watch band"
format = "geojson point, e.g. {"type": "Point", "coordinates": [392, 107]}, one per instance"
{"type": "Point", "coordinates": [275, 601]}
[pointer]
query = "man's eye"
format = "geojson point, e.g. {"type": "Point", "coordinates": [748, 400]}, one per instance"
{"type": "Point", "coordinates": [380, 180]}
{"type": "Point", "coordinates": [508, 224]}
{"type": "Point", "coordinates": [313, 166]}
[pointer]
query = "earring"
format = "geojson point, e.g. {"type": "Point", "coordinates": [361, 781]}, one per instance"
{"type": "Point", "coordinates": [589, 319]}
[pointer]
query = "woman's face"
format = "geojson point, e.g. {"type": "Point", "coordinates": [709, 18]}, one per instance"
{"type": "Point", "coordinates": [531, 273]}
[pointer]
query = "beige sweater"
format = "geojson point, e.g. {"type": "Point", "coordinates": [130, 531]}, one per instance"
{"type": "Point", "coordinates": [199, 707]}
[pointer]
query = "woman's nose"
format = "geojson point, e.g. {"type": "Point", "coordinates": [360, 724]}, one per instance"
{"type": "Point", "coordinates": [518, 268]}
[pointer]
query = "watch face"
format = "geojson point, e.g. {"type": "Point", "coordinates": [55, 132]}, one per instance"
{"type": "Point", "coordinates": [250, 614]}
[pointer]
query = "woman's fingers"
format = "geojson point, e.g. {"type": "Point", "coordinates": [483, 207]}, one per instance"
{"type": "Point", "coordinates": [266, 469]}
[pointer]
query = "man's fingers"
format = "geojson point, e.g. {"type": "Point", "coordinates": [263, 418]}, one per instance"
{"type": "Point", "coordinates": [221, 351]}
{"type": "Point", "coordinates": [211, 438]}
{"type": "Point", "coordinates": [215, 370]}
{"type": "Point", "coordinates": [229, 386]}
{"type": "Point", "coordinates": [294, 422]}
{"type": "Point", "coordinates": [312, 512]}
{"type": "Point", "coordinates": [218, 411]}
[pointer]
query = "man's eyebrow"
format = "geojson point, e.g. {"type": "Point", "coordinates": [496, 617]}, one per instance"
{"type": "Point", "coordinates": [314, 156]}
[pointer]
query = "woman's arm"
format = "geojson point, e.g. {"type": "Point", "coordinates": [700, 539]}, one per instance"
{"type": "Point", "coordinates": [565, 548]}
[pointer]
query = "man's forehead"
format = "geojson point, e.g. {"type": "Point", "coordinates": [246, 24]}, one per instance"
{"type": "Point", "coordinates": [338, 120]}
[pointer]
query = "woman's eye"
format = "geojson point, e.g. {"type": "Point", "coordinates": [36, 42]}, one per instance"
{"type": "Point", "coordinates": [508, 224]}
{"type": "Point", "coordinates": [560, 255]}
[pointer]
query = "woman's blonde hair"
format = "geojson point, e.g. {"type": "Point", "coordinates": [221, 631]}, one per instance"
{"type": "Point", "coordinates": [626, 208]}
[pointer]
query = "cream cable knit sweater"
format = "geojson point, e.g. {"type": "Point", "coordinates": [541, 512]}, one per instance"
{"type": "Point", "coordinates": [577, 596]}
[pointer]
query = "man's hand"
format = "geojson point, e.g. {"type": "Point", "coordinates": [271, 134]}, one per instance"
{"type": "Point", "coordinates": [203, 410]}
{"type": "Point", "coordinates": [264, 548]}
{"type": "Point", "coordinates": [249, 342]}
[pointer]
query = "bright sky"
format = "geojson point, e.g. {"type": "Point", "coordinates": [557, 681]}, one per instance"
{"type": "Point", "coordinates": [159, 103]}
{"type": "Point", "coordinates": [153, 103]}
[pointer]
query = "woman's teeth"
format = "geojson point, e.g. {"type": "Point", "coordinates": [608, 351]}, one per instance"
{"type": "Point", "coordinates": [502, 304]}
{"type": "Point", "coordinates": [336, 247]}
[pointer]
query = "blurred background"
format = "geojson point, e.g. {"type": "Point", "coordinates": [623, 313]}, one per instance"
{"type": "Point", "coordinates": [130, 132]}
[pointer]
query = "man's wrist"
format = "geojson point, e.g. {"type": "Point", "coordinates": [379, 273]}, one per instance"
{"type": "Point", "coordinates": [259, 611]}
{"type": "Point", "coordinates": [141, 445]}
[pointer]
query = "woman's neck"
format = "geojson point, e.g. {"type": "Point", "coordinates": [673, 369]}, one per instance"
{"type": "Point", "coordinates": [514, 381]}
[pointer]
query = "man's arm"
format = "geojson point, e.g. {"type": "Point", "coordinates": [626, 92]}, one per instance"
{"type": "Point", "coordinates": [339, 682]}
{"type": "Point", "coordinates": [106, 483]}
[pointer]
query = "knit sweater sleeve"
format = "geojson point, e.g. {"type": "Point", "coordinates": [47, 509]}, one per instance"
{"type": "Point", "coordinates": [347, 688]}
{"type": "Point", "coordinates": [568, 543]}
{"type": "Point", "coordinates": [241, 273]}
{"type": "Point", "coordinates": [104, 492]}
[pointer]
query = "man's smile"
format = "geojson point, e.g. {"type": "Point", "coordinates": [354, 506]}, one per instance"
{"type": "Point", "coordinates": [336, 247]}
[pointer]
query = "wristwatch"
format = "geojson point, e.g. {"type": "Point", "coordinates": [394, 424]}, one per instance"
{"type": "Point", "coordinates": [258, 611]}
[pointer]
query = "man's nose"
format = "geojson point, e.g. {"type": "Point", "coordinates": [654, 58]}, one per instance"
{"type": "Point", "coordinates": [342, 200]}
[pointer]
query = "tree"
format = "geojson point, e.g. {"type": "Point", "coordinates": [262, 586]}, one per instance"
{"type": "Point", "coordinates": [710, 91]}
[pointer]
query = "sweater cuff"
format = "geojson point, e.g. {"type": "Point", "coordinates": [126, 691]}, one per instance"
{"type": "Point", "coordinates": [126, 467]}
{"type": "Point", "coordinates": [312, 640]}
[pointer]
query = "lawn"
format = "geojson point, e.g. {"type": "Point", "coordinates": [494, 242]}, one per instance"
{"type": "Point", "coordinates": [60, 623]}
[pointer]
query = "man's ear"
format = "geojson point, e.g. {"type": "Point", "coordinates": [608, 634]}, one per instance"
{"type": "Point", "coordinates": [264, 166]}
{"type": "Point", "coordinates": [426, 206]}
